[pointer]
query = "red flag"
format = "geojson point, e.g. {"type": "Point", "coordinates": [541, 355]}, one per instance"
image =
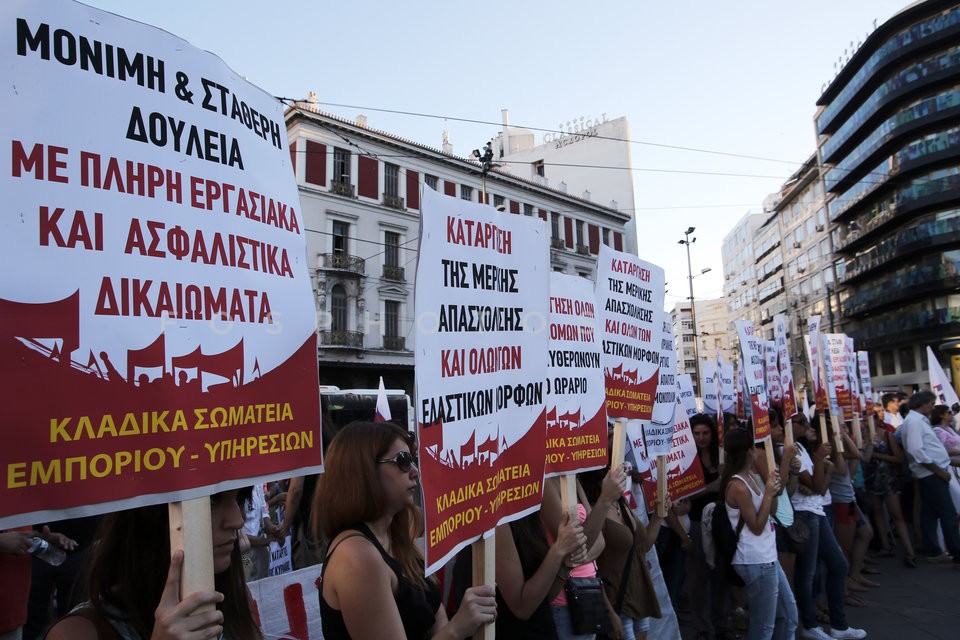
{"type": "Point", "coordinates": [152, 355]}
{"type": "Point", "coordinates": [468, 448]}
{"type": "Point", "coordinates": [383, 409]}
{"type": "Point", "coordinates": [489, 446]}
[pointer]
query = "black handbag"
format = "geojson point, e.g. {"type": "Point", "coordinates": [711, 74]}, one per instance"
{"type": "Point", "coordinates": [587, 605]}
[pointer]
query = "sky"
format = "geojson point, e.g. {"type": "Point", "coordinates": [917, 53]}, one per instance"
{"type": "Point", "coordinates": [702, 84]}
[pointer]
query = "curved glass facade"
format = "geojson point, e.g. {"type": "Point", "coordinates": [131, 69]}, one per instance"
{"type": "Point", "coordinates": [929, 231]}
{"type": "Point", "coordinates": [938, 66]}
{"type": "Point", "coordinates": [929, 109]}
{"type": "Point", "coordinates": [942, 182]}
{"type": "Point", "coordinates": [890, 161]}
{"type": "Point", "coordinates": [896, 46]}
{"type": "Point", "coordinates": [929, 318]}
{"type": "Point", "coordinates": [931, 272]}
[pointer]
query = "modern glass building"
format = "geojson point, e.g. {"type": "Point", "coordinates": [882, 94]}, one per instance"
{"type": "Point", "coordinates": [889, 143]}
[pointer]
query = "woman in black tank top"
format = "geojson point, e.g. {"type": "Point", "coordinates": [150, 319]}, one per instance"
{"type": "Point", "coordinates": [372, 585]}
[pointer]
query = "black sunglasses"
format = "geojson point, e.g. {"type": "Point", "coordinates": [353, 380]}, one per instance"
{"type": "Point", "coordinates": [404, 460]}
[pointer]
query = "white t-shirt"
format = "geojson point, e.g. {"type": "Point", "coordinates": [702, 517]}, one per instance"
{"type": "Point", "coordinates": [257, 511]}
{"type": "Point", "coordinates": [812, 503]}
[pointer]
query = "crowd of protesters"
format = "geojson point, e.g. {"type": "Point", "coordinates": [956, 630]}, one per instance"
{"type": "Point", "coordinates": [807, 531]}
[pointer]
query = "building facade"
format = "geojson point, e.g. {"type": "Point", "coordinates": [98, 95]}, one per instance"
{"type": "Point", "coordinates": [567, 161]}
{"type": "Point", "coordinates": [360, 198]}
{"type": "Point", "coordinates": [714, 335]}
{"type": "Point", "coordinates": [889, 145]}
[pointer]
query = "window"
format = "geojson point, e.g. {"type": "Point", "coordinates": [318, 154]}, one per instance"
{"type": "Point", "coordinates": [466, 193]}
{"type": "Point", "coordinates": [341, 165]}
{"type": "Point", "coordinates": [527, 209]}
{"type": "Point", "coordinates": [886, 363]}
{"type": "Point", "coordinates": [907, 362]}
{"type": "Point", "coordinates": [391, 180]}
{"type": "Point", "coordinates": [338, 308]}
{"type": "Point", "coordinates": [538, 168]}
{"type": "Point", "coordinates": [580, 232]}
{"type": "Point", "coordinates": [605, 236]}
{"type": "Point", "coordinates": [497, 201]}
{"type": "Point", "coordinates": [431, 181]}
{"type": "Point", "coordinates": [341, 236]}
{"type": "Point", "coordinates": [554, 224]}
{"type": "Point", "coordinates": [688, 337]}
{"type": "Point", "coordinates": [391, 318]}
{"type": "Point", "coordinates": [391, 252]}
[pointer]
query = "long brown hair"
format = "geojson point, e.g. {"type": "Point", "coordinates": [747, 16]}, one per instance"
{"type": "Point", "coordinates": [737, 444]}
{"type": "Point", "coordinates": [349, 491]}
{"type": "Point", "coordinates": [128, 566]}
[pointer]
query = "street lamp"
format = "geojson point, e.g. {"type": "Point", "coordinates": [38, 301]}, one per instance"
{"type": "Point", "coordinates": [486, 163]}
{"type": "Point", "coordinates": [687, 240]}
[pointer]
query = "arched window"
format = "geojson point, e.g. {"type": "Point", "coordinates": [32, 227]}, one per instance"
{"type": "Point", "coordinates": [338, 308]}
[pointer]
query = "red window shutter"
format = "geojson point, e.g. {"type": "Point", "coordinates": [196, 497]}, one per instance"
{"type": "Point", "coordinates": [367, 178]}
{"type": "Point", "coordinates": [450, 188]}
{"type": "Point", "coordinates": [568, 232]}
{"type": "Point", "coordinates": [593, 236]}
{"type": "Point", "coordinates": [413, 189]}
{"type": "Point", "coordinates": [514, 206]}
{"type": "Point", "coordinates": [617, 241]}
{"type": "Point", "coordinates": [543, 214]}
{"type": "Point", "coordinates": [293, 156]}
{"type": "Point", "coordinates": [485, 197]}
{"type": "Point", "coordinates": [316, 163]}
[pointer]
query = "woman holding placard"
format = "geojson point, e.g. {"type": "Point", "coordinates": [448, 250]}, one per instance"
{"type": "Point", "coordinates": [372, 585]}
{"type": "Point", "coordinates": [749, 504]}
{"type": "Point", "coordinates": [133, 584]}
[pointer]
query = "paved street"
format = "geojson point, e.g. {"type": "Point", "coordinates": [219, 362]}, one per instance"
{"type": "Point", "coordinates": [910, 604]}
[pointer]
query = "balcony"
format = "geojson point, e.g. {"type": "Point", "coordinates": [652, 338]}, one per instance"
{"type": "Point", "coordinates": [342, 188]}
{"type": "Point", "coordinates": [394, 343]}
{"type": "Point", "coordinates": [341, 339]}
{"type": "Point", "coordinates": [344, 262]}
{"type": "Point", "coordinates": [557, 243]}
{"type": "Point", "coordinates": [393, 273]}
{"type": "Point", "coordinates": [583, 250]}
{"type": "Point", "coordinates": [394, 202]}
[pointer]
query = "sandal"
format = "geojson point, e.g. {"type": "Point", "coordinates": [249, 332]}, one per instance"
{"type": "Point", "coordinates": [910, 561]}
{"type": "Point", "coordinates": [870, 570]}
{"type": "Point", "coordinates": [855, 601]}
{"type": "Point", "coordinates": [864, 581]}
{"type": "Point", "coordinates": [885, 553]}
{"type": "Point", "coordinates": [823, 615]}
{"type": "Point", "coordinates": [853, 585]}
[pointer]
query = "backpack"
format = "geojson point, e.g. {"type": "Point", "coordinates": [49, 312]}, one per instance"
{"type": "Point", "coordinates": [720, 540]}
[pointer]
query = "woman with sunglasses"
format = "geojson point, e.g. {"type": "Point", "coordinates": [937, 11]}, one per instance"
{"type": "Point", "coordinates": [372, 584]}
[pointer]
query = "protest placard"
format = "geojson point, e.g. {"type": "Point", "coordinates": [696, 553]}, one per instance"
{"type": "Point", "coordinates": [772, 374]}
{"type": "Point", "coordinates": [754, 377]}
{"type": "Point", "coordinates": [687, 397]}
{"type": "Point", "coordinates": [482, 318]}
{"type": "Point", "coordinates": [157, 320]}
{"type": "Point", "coordinates": [786, 372]}
{"type": "Point", "coordinates": [839, 392]}
{"type": "Point", "coordinates": [684, 473]}
{"type": "Point", "coordinates": [629, 294]}
{"type": "Point", "coordinates": [287, 605]}
{"type": "Point", "coordinates": [576, 415]}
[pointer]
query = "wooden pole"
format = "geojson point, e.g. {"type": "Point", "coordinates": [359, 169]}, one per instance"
{"type": "Point", "coordinates": [857, 435]}
{"type": "Point", "coordinates": [836, 432]}
{"type": "Point", "coordinates": [662, 486]}
{"type": "Point", "coordinates": [871, 425]}
{"type": "Point", "coordinates": [823, 429]}
{"type": "Point", "coordinates": [619, 444]}
{"type": "Point", "coordinates": [568, 495]}
{"type": "Point", "coordinates": [485, 572]}
{"type": "Point", "coordinates": [788, 430]}
{"type": "Point", "coordinates": [191, 530]}
{"type": "Point", "coordinates": [768, 449]}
